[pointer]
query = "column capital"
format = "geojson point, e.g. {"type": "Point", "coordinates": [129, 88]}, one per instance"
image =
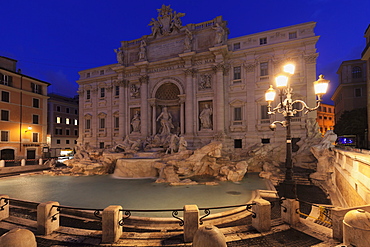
{"type": "Point", "coordinates": [152, 101]}
{"type": "Point", "coordinates": [190, 72]}
{"type": "Point", "coordinates": [182, 98]}
{"type": "Point", "coordinates": [144, 79]}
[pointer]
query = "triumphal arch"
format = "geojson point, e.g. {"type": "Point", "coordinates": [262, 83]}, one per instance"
{"type": "Point", "coordinates": [195, 82]}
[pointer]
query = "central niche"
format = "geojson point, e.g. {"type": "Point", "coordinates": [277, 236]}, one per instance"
{"type": "Point", "coordinates": [167, 95]}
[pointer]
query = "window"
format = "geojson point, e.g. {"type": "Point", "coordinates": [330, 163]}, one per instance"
{"type": "Point", "coordinates": [35, 119]}
{"type": "Point", "coordinates": [58, 108]}
{"type": "Point", "coordinates": [35, 88]}
{"type": "Point", "coordinates": [264, 68]}
{"type": "Point", "coordinates": [264, 114]}
{"type": "Point", "coordinates": [263, 41]}
{"type": "Point", "coordinates": [102, 92]}
{"type": "Point", "coordinates": [67, 120]}
{"type": "Point", "coordinates": [329, 118]}
{"type": "Point", "coordinates": [325, 118]}
{"type": "Point", "coordinates": [237, 73]}
{"type": "Point", "coordinates": [101, 72]}
{"type": "Point", "coordinates": [6, 79]}
{"type": "Point", "coordinates": [293, 35]}
{"type": "Point", "coordinates": [4, 136]}
{"type": "Point", "coordinates": [67, 141]}
{"type": "Point", "coordinates": [58, 141]}
{"type": "Point", "coordinates": [356, 72]}
{"type": "Point", "coordinates": [76, 132]}
{"type": "Point", "coordinates": [358, 92]}
{"type": "Point", "coordinates": [67, 110]}
{"type": "Point", "coordinates": [101, 144]}
{"type": "Point", "coordinates": [238, 143]}
{"type": "Point", "coordinates": [35, 137]}
{"type": "Point", "coordinates": [265, 140]}
{"type": "Point", "coordinates": [4, 115]}
{"type": "Point", "coordinates": [236, 46]}
{"type": "Point", "coordinates": [87, 75]}
{"type": "Point", "coordinates": [67, 132]}
{"type": "Point", "coordinates": [329, 110]}
{"type": "Point", "coordinates": [116, 122]}
{"type": "Point", "coordinates": [102, 123]}
{"type": "Point", "coordinates": [237, 114]}
{"type": "Point", "coordinates": [320, 117]}
{"type": "Point", "coordinates": [76, 111]}
{"type": "Point", "coordinates": [75, 122]}
{"type": "Point", "coordinates": [36, 103]}
{"type": "Point", "coordinates": [116, 91]}
{"type": "Point", "coordinates": [88, 94]}
{"type": "Point", "coordinates": [58, 119]}
{"type": "Point", "coordinates": [5, 96]}
{"type": "Point", "coordinates": [75, 142]}
{"type": "Point", "coordinates": [58, 131]}
{"type": "Point", "coordinates": [324, 109]}
{"type": "Point", "coordinates": [87, 124]}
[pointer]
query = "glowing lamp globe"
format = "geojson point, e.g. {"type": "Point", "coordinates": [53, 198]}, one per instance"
{"type": "Point", "coordinates": [289, 68]}
{"type": "Point", "coordinates": [321, 85]}
{"type": "Point", "coordinates": [281, 81]}
{"type": "Point", "coordinates": [270, 94]}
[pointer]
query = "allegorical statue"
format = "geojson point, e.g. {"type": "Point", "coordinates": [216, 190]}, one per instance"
{"type": "Point", "coordinates": [142, 51]}
{"type": "Point", "coordinates": [220, 32]}
{"type": "Point", "coordinates": [120, 55]}
{"type": "Point", "coordinates": [135, 122]}
{"type": "Point", "coordinates": [166, 122]}
{"type": "Point", "coordinates": [205, 117]}
{"type": "Point", "coordinates": [188, 40]}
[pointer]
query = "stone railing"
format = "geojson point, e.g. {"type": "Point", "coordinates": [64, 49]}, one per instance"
{"type": "Point", "coordinates": [351, 177]}
{"type": "Point", "coordinates": [113, 217]}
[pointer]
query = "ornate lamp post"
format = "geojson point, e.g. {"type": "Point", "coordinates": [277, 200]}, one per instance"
{"type": "Point", "coordinates": [286, 108]}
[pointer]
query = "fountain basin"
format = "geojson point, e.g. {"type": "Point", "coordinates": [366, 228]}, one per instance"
{"type": "Point", "coordinates": [101, 191]}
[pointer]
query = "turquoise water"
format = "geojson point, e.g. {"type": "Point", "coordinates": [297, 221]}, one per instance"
{"type": "Point", "coordinates": [101, 191]}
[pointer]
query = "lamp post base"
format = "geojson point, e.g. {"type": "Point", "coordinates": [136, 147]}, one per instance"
{"type": "Point", "coordinates": [288, 189]}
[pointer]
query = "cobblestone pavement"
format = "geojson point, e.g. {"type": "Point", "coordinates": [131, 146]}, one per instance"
{"type": "Point", "coordinates": [291, 238]}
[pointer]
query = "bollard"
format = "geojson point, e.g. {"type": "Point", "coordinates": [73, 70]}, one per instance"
{"type": "Point", "coordinates": [191, 222]}
{"type": "Point", "coordinates": [18, 237]}
{"type": "Point", "coordinates": [2, 163]}
{"type": "Point", "coordinates": [23, 162]}
{"type": "Point", "coordinates": [209, 236]}
{"type": "Point", "coordinates": [47, 217]}
{"type": "Point", "coordinates": [111, 229]}
{"type": "Point", "coordinates": [356, 228]}
{"type": "Point", "coordinates": [262, 221]}
{"type": "Point", "coordinates": [4, 207]}
{"type": "Point", "coordinates": [289, 211]}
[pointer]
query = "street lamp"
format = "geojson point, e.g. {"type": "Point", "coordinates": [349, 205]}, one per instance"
{"type": "Point", "coordinates": [286, 108]}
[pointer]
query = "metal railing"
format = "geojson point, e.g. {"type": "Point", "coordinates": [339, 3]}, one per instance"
{"type": "Point", "coordinates": [59, 209]}
{"type": "Point", "coordinates": [324, 214]}
{"type": "Point", "coordinates": [127, 213]}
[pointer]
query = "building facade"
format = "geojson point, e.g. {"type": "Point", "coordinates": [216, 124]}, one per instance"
{"type": "Point", "coordinates": [352, 90]}
{"type": "Point", "coordinates": [325, 118]}
{"type": "Point", "coordinates": [23, 122]}
{"type": "Point", "coordinates": [196, 82]}
{"type": "Point", "coordinates": [366, 57]}
{"type": "Point", "coordinates": [62, 124]}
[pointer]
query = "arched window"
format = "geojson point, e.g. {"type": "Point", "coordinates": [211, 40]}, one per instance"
{"type": "Point", "coordinates": [356, 72]}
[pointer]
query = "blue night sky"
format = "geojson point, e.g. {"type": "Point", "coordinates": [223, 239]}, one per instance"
{"type": "Point", "coordinates": [53, 40]}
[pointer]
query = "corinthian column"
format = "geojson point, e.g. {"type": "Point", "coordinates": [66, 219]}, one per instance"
{"type": "Point", "coordinates": [219, 105]}
{"type": "Point", "coordinates": [144, 105]}
{"type": "Point", "coordinates": [189, 103]}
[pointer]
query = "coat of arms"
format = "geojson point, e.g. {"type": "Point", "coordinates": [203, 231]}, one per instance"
{"type": "Point", "coordinates": [168, 22]}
